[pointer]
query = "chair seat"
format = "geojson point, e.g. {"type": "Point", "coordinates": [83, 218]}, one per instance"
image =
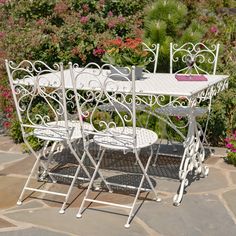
{"type": "Point", "coordinates": [122, 138]}
{"type": "Point", "coordinates": [181, 111]}
{"type": "Point", "coordinates": [58, 131]}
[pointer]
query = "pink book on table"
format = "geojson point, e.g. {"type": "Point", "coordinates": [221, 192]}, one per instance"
{"type": "Point", "coordinates": [190, 77]}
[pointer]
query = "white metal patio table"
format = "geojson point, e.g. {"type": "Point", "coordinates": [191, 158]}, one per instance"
{"type": "Point", "coordinates": [161, 89]}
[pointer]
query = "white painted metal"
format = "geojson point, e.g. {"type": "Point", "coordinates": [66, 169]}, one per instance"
{"type": "Point", "coordinates": [152, 84]}
{"type": "Point", "coordinates": [193, 56]}
{"type": "Point", "coordinates": [155, 89]}
{"type": "Point", "coordinates": [52, 126]}
{"type": "Point", "coordinates": [120, 133]}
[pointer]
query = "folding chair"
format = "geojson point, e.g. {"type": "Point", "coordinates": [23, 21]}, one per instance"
{"type": "Point", "coordinates": [153, 51]}
{"type": "Point", "coordinates": [115, 133]}
{"type": "Point", "coordinates": [35, 85]}
{"type": "Point", "coordinates": [191, 59]}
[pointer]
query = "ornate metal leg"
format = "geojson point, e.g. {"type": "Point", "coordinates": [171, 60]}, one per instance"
{"type": "Point", "coordinates": [192, 159]}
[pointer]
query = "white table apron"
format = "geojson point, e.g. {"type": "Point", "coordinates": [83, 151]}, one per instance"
{"type": "Point", "coordinates": [156, 87]}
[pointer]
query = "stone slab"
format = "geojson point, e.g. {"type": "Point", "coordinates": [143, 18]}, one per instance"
{"type": "Point", "coordinates": [34, 231]}
{"type": "Point", "coordinates": [215, 180]}
{"type": "Point", "coordinates": [22, 167]}
{"type": "Point", "coordinates": [5, 224]}
{"type": "Point", "coordinates": [197, 215]}
{"type": "Point", "coordinates": [7, 145]}
{"type": "Point", "coordinates": [10, 189]}
{"type": "Point", "coordinates": [233, 176]}
{"type": "Point", "coordinates": [212, 160]}
{"type": "Point", "coordinates": [32, 204]}
{"type": "Point", "coordinates": [230, 198]}
{"type": "Point", "coordinates": [9, 157]}
{"type": "Point", "coordinates": [94, 222]}
{"type": "Point", "coordinates": [77, 195]}
{"type": "Point", "coordinates": [226, 166]}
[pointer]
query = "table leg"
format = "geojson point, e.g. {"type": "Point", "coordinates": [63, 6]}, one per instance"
{"type": "Point", "coordinates": [192, 160]}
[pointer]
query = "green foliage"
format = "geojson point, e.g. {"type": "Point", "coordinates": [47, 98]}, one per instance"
{"type": "Point", "coordinates": [60, 31]}
{"type": "Point", "coordinates": [15, 131]}
{"type": "Point", "coordinates": [168, 21]}
{"type": "Point", "coordinates": [231, 158]}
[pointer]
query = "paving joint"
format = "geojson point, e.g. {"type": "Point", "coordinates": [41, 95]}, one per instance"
{"type": "Point", "coordinates": [213, 195]}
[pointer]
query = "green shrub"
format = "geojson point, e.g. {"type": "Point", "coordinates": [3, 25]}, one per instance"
{"type": "Point", "coordinates": [60, 30]}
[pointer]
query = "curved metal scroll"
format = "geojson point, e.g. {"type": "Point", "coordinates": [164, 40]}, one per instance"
{"type": "Point", "coordinates": [194, 58]}
{"type": "Point", "coordinates": [37, 100]}
{"type": "Point", "coordinates": [104, 91]}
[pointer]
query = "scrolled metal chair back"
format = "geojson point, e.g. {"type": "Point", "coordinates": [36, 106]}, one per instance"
{"type": "Point", "coordinates": [38, 92]}
{"type": "Point", "coordinates": [153, 51]}
{"type": "Point", "coordinates": [193, 58]}
{"type": "Point", "coordinates": [93, 86]}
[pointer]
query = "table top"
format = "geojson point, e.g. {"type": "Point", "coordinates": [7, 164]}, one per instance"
{"type": "Point", "coordinates": [151, 84]}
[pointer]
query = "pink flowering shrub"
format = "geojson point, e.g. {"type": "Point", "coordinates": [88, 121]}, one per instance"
{"type": "Point", "coordinates": [231, 146]}
{"type": "Point", "coordinates": [59, 31]}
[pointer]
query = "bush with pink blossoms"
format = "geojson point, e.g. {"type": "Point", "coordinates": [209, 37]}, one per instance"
{"type": "Point", "coordinates": [231, 152]}
{"type": "Point", "coordinates": [59, 31]}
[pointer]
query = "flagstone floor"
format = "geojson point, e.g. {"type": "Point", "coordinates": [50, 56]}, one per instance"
{"type": "Point", "coordinates": [208, 207]}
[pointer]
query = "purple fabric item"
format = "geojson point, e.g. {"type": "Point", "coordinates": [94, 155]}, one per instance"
{"type": "Point", "coordinates": [190, 77]}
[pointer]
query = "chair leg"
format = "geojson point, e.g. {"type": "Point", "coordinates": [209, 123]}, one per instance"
{"type": "Point", "coordinates": [144, 176]}
{"type": "Point", "coordinates": [79, 214]}
{"type": "Point", "coordinates": [101, 153]}
{"type": "Point", "coordinates": [79, 160]}
{"type": "Point", "coordinates": [19, 202]}
{"type": "Point", "coordinates": [49, 158]}
{"type": "Point", "coordinates": [157, 153]}
{"type": "Point", "coordinates": [144, 171]}
{"type": "Point", "coordinates": [62, 210]}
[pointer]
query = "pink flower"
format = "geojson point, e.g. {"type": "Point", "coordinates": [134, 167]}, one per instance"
{"type": "Point", "coordinates": [3, 1]}
{"type": "Point", "coordinates": [6, 124]}
{"type": "Point", "coordinates": [229, 145]}
{"type": "Point", "coordinates": [40, 22]}
{"type": "Point", "coordinates": [60, 7]}
{"type": "Point", "coordinates": [8, 109]}
{"type": "Point", "coordinates": [84, 19]}
{"type": "Point", "coordinates": [213, 29]}
{"type": "Point", "coordinates": [98, 52]}
{"type": "Point", "coordinates": [227, 140]}
{"type": "Point", "coordinates": [110, 14]}
{"type": "Point", "coordinates": [6, 94]}
{"type": "Point", "coordinates": [233, 150]}
{"type": "Point", "coordinates": [9, 115]}
{"type": "Point", "coordinates": [121, 19]}
{"type": "Point", "coordinates": [111, 25]}
{"type": "Point", "coordinates": [85, 8]}
{"type": "Point", "coordinates": [234, 134]}
{"type": "Point", "coordinates": [178, 117]}
{"type": "Point", "coordinates": [2, 34]}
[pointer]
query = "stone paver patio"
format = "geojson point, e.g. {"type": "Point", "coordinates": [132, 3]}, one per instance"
{"type": "Point", "coordinates": [208, 207]}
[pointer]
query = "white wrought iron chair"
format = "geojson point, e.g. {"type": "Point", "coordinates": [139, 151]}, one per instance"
{"type": "Point", "coordinates": [35, 84]}
{"type": "Point", "coordinates": [153, 51]}
{"type": "Point", "coordinates": [191, 59]}
{"type": "Point", "coordinates": [115, 133]}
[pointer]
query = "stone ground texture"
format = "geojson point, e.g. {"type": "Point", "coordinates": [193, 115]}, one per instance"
{"type": "Point", "coordinates": [208, 207]}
